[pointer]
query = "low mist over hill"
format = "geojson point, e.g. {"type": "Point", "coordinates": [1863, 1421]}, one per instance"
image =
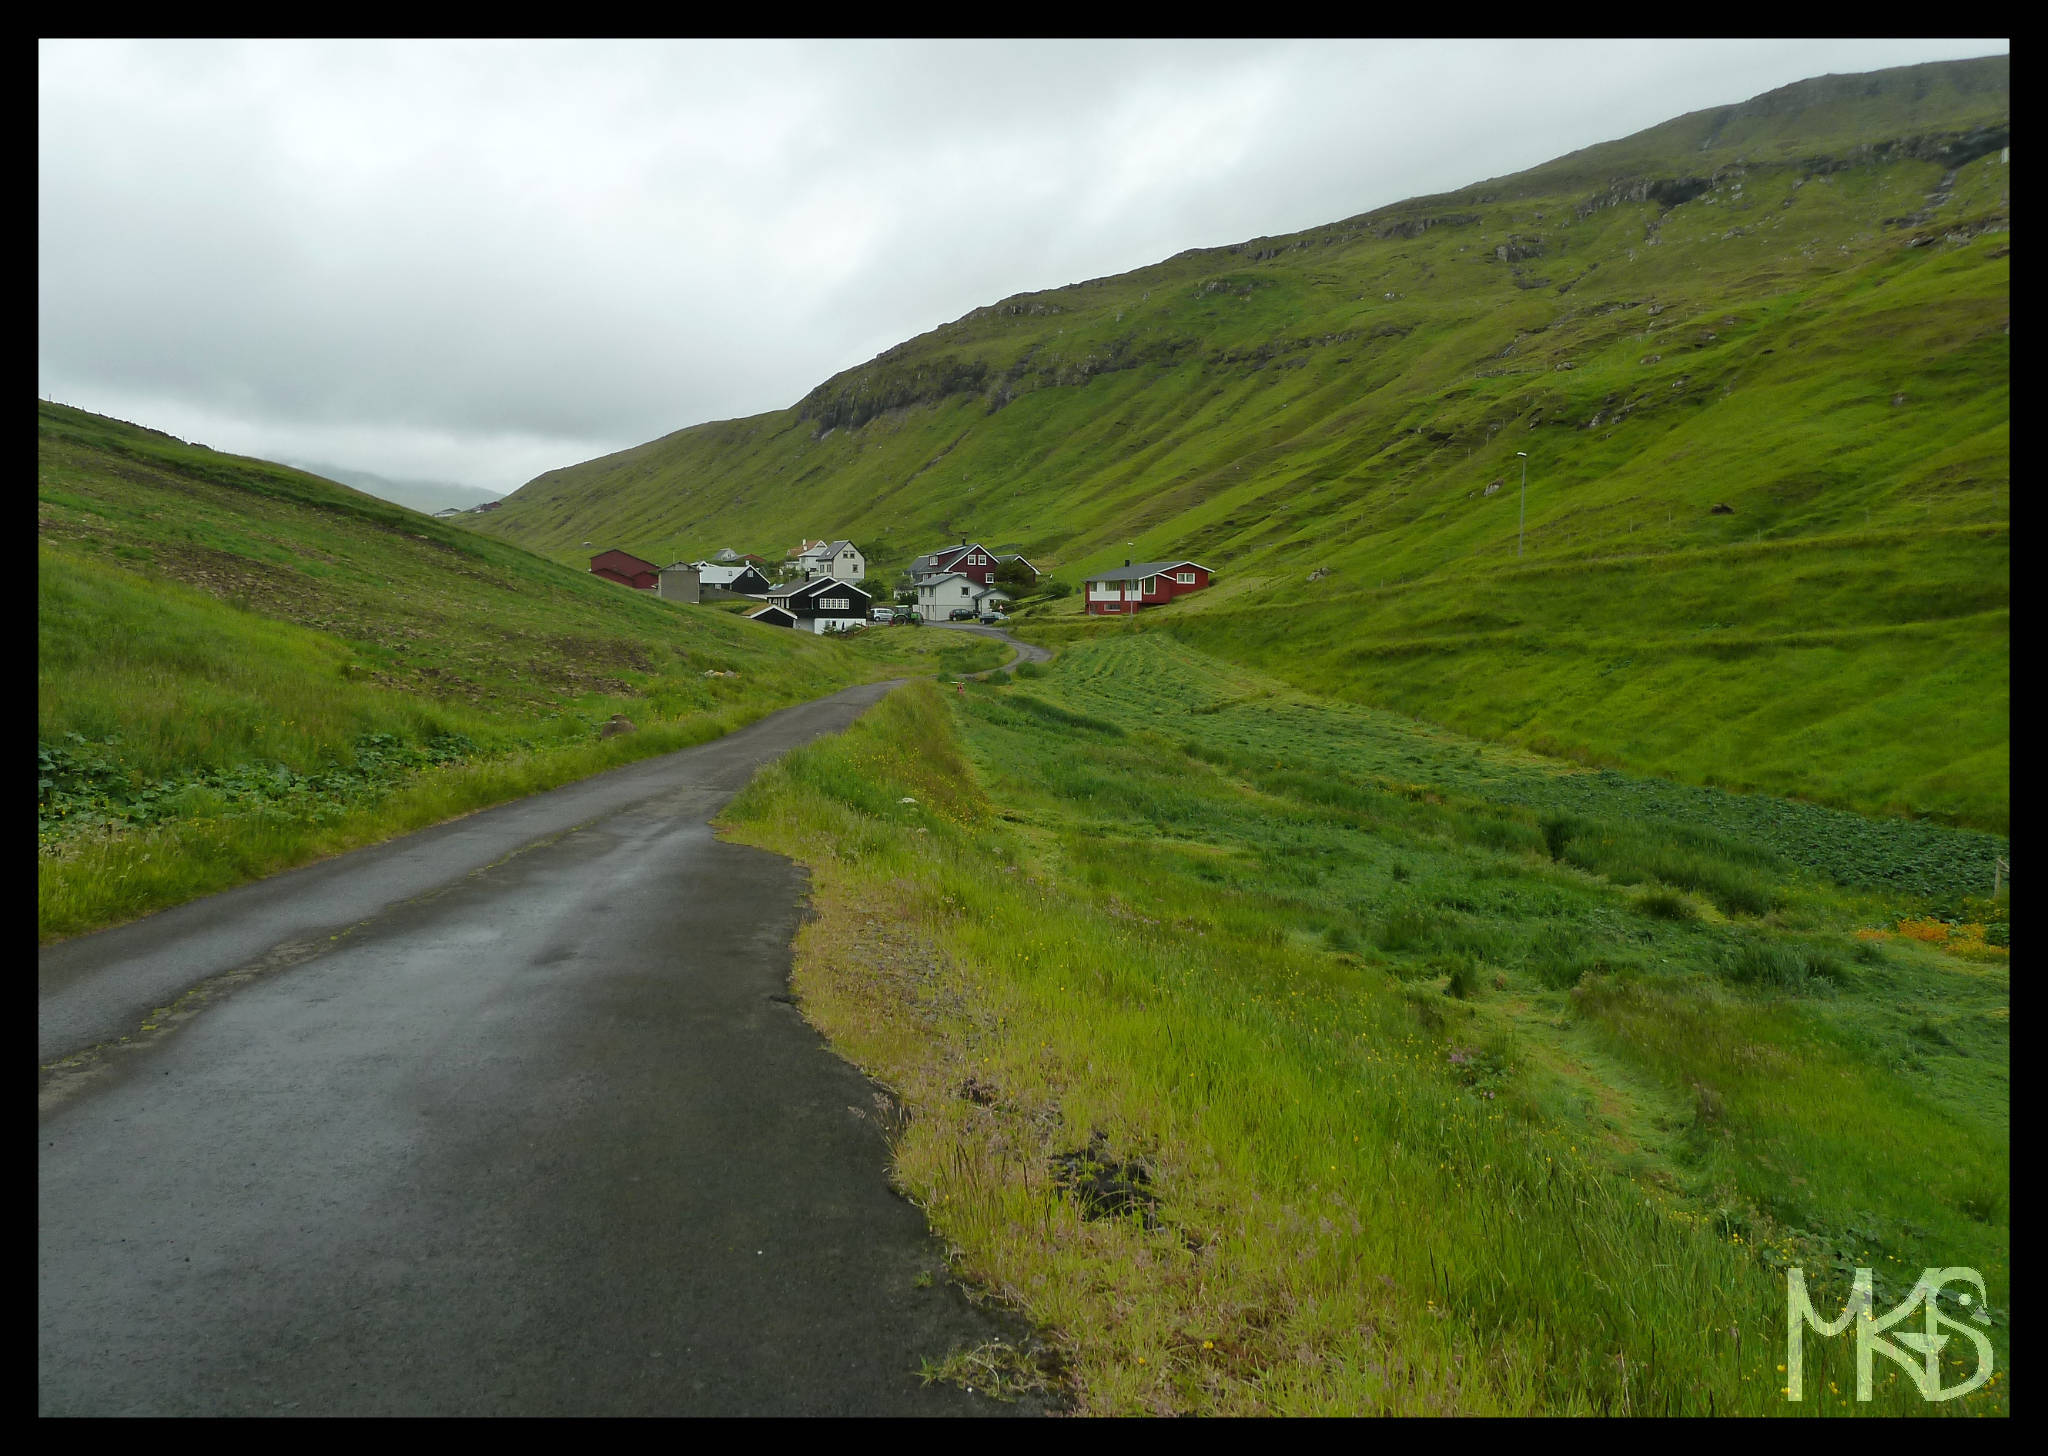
{"type": "Point", "coordinates": [425, 496]}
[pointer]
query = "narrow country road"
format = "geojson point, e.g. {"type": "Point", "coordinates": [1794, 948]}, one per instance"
{"type": "Point", "coordinates": [1026, 651]}
{"type": "Point", "coordinates": [509, 1117]}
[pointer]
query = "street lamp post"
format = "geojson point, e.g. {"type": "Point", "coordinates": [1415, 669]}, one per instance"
{"type": "Point", "coordinates": [1523, 519]}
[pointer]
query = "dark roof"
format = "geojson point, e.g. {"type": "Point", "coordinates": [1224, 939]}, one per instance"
{"type": "Point", "coordinates": [817, 584]}
{"type": "Point", "coordinates": [1142, 569]}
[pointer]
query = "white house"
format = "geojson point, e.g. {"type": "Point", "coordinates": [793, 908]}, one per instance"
{"type": "Point", "coordinates": [840, 560]}
{"type": "Point", "coordinates": [938, 597]}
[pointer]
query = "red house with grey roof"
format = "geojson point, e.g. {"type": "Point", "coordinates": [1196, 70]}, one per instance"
{"type": "Point", "coordinates": [1127, 588]}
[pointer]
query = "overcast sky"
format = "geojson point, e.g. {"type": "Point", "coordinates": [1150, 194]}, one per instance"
{"type": "Point", "coordinates": [478, 261]}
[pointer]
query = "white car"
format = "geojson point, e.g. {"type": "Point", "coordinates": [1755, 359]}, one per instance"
{"type": "Point", "coordinates": [881, 614]}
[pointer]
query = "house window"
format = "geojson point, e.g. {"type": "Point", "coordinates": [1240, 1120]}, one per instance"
{"type": "Point", "coordinates": [1147, 587]}
{"type": "Point", "coordinates": [834, 604]}
{"type": "Point", "coordinates": [1185, 578]}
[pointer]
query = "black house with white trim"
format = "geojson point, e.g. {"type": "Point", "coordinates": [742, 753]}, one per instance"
{"type": "Point", "coordinates": [823, 604]}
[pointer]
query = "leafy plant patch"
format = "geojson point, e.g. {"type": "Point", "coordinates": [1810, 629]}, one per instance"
{"type": "Point", "coordinates": [84, 786]}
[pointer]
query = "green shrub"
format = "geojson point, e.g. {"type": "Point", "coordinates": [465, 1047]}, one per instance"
{"type": "Point", "coordinates": [1979, 1198]}
{"type": "Point", "coordinates": [1404, 927]}
{"type": "Point", "coordinates": [1506, 833]}
{"type": "Point", "coordinates": [1558, 831]}
{"type": "Point", "coordinates": [1784, 965]}
{"type": "Point", "coordinates": [1665, 905]}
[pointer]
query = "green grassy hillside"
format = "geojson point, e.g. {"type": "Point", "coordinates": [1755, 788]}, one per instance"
{"type": "Point", "coordinates": [1443, 1077]}
{"type": "Point", "coordinates": [242, 666]}
{"type": "Point", "coordinates": [1795, 309]}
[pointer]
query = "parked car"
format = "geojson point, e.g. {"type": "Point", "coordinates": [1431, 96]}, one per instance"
{"type": "Point", "coordinates": [881, 614]}
{"type": "Point", "coordinates": [994, 618]}
{"type": "Point", "coordinates": [960, 614]}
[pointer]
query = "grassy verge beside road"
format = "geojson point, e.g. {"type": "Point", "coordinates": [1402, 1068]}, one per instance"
{"type": "Point", "coordinates": [1444, 1100]}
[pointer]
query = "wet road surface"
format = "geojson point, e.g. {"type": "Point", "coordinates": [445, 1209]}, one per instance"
{"type": "Point", "coordinates": [539, 1135]}
{"type": "Point", "coordinates": [1026, 651]}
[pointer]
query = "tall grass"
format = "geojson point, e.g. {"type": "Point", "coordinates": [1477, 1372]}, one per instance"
{"type": "Point", "coordinates": [1405, 1177]}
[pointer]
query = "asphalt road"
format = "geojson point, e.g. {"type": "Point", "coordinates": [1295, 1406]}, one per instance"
{"type": "Point", "coordinates": [1026, 651]}
{"type": "Point", "coordinates": [537, 1134]}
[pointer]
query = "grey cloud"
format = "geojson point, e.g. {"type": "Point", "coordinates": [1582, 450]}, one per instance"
{"type": "Point", "coordinates": [451, 257]}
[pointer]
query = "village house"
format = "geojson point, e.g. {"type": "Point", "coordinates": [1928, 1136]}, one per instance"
{"type": "Point", "coordinates": [772, 616]}
{"type": "Point", "coordinates": [840, 560]}
{"type": "Point", "coordinates": [679, 583]}
{"type": "Point", "coordinates": [1147, 584]}
{"type": "Point", "coordinates": [823, 604]}
{"type": "Point", "coordinates": [969, 559]}
{"type": "Point", "coordinates": [938, 597]}
{"type": "Point", "coordinates": [741, 581]}
{"type": "Point", "coordinates": [625, 568]}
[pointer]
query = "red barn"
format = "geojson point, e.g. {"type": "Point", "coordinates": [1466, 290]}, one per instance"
{"type": "Point", "coordinates": [1148, 584]}
{"type": "Point", "coordinates": [626, 569]}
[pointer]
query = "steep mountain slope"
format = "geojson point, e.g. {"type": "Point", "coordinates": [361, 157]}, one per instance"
{"type": "Point", "coordinates": [241, 666]}
{"type": "Point", "coordinates": [1779, 327]}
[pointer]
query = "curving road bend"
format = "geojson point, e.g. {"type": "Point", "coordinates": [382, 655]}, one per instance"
{"type": "Point", "coordinates": [1026, 651]}
{"type": "Point", "coordinates": [509, 1117]}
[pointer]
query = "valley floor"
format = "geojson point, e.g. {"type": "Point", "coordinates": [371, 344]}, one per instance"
{"type": "Point", "coordinates": [1279, 1055]}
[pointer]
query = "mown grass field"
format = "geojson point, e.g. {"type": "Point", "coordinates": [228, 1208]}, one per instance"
{"type": "Point", "coordinates": [1759, 364]}
{"type": "Point", "coordinates": [1466, 1080]}
{"type": "Point", "coordinates": [241, 667]}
